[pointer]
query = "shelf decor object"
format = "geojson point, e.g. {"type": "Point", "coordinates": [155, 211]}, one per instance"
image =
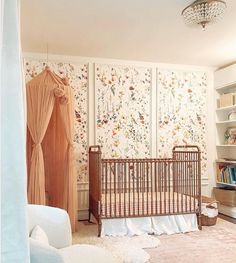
{"type": "Point", "coordinates": [232, 116]}
{"type": "Point", "coordinates": [203, 12]}
{"type": "Point", "coordinates": [230, 136]}
{"type": "Point", "coordinates": [226, 100]}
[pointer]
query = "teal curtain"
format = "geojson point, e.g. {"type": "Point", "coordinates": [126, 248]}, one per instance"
{"type": "Point", "coordinates": [14, 233]}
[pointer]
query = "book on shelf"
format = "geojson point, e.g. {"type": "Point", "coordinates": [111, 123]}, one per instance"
{"type": "Point", "coordinates": [226, 173]}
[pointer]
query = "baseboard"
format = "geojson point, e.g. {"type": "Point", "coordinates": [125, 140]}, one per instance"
{"type": "Point", "coordinates": [227, 210]}
{"type": "Point", "coordinates": [227, 218]}
{"type": "Point", "coordinates": [83, 215]}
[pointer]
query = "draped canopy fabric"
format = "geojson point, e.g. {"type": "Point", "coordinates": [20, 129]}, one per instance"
{"type": "Point", "coordinates": [51, 169]}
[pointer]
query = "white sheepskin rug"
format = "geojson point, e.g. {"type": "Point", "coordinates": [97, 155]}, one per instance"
{"type": "Point", "coordinates": [124, 249]}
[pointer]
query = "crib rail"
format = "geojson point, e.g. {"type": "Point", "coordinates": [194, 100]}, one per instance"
{"type": "Point", "coordinates": [122, 188]}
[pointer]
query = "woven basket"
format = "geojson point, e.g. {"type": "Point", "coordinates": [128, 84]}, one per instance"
{"type": "Point", "coordinates": [208, 221]}
{"type": "Point", "coordinates": [205, 220]}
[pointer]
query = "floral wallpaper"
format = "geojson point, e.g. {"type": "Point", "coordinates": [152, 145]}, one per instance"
{"type": "Point", "coordinates": [123, 111]}
{"type": "Point", "coordinates": [181, 111]}
{"type": "Point", "coordinates": [77, 75]}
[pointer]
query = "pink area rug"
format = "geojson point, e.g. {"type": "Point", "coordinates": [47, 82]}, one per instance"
{"type": "Point", "coordinates": [216, 244]}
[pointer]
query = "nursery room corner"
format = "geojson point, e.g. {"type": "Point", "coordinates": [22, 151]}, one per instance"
{"type": "Point", "coordinates": [118, 131]}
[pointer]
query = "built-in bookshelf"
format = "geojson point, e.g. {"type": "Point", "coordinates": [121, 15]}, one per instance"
{"type": "Point", "coordinates": [225, 86]}
{"type": "Point", "coordinates": [225, 83]}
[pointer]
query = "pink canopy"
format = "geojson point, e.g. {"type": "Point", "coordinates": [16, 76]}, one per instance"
{"type": "Point", "coordinates": [50, 154]}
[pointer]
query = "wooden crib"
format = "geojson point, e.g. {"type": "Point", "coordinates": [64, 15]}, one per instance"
{"type": "Point", "coordinates": [123, 188]}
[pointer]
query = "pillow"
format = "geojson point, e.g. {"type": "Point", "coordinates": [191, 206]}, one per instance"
{"type": "Point", "coordinates": [43, 253]}
{"type": "Point", "coordinates": [39, 234]}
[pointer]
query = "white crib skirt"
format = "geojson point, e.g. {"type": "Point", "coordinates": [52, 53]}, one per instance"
{"type": "Point", "coordinates": [150, 225]}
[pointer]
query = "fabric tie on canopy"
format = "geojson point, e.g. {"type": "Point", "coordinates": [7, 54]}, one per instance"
{"type": "Point", "coordinates": [59, 91]}
{"type": "Point", "coordinates": [37, 145]}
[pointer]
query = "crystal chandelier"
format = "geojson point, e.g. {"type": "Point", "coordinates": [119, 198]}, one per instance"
{"type": "Point", "coordinates": [203, 12]}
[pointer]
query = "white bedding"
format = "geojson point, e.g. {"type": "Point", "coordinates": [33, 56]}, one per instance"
{"type": "Point", "coordinates": [150, 225]}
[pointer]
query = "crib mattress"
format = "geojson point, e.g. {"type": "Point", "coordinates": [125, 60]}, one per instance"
{"type": "Point", "coordinates": [138, 204]}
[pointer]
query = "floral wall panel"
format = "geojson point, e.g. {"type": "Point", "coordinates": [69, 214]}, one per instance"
{"type": "Point", "coordinates": [181, 111]}
{"type": "Point", "coordinates": [78, 79]}
{"type": "Point", "coordinates": [123, 110]}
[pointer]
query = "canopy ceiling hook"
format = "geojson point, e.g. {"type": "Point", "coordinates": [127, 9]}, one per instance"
{"type": "Point", "coordinates": [47, 52]}
{"type": "Point", "coordinates": [47, 67]}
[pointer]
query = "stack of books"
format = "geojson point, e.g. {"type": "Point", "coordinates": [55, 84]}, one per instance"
{"type": "Point", "coordinates": [226, 174]}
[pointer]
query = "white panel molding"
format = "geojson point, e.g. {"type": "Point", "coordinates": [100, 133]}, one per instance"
{"type": "Point", "coordinates": [95, 103]}
{"type": "Point", "coordinates": [153, 112]}
{"type": "Point", "coordinates": [120, 62]}
{"type": "Point", "coordinates": [210, 133]}
{"type": "Point", "coordinates": [91, 106]}
{"type": "Point", "coordinates": [83, 187]}
{"type": "Point", "coordinates": [157, 111]}
{"type": "Point", "coordinates": [83, 200]}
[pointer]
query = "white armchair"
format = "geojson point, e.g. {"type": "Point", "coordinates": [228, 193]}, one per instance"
{"type": "Point", "coordinates": [56, 224]}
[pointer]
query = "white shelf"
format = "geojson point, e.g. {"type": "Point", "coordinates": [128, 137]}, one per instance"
{"type": "Point", "coordinates": [226, 122]}
{"type": "Point", "coordinates": [227, 88]}
{"type": "Point", "coordinates": [233, 107]}
{"type": "Point", "coordinates": [226, 145]}
{"type": "Point", "coordinates": [226, 161]}
{"type": "Point", "coordinates": [234, 185]}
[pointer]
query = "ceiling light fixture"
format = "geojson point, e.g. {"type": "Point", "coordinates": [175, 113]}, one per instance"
{"type": "Point", "coordinates": [203, 12]}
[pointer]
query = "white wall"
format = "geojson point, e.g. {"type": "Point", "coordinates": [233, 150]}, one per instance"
{"type": "Point", "coordinates": [208, 181]}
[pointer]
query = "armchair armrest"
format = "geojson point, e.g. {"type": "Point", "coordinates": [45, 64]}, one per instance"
{"type": "Point", "coordinates": [54, 221]}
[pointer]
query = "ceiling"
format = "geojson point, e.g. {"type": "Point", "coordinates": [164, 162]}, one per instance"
{"type": "Point", "coordinates": [144, 30]}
